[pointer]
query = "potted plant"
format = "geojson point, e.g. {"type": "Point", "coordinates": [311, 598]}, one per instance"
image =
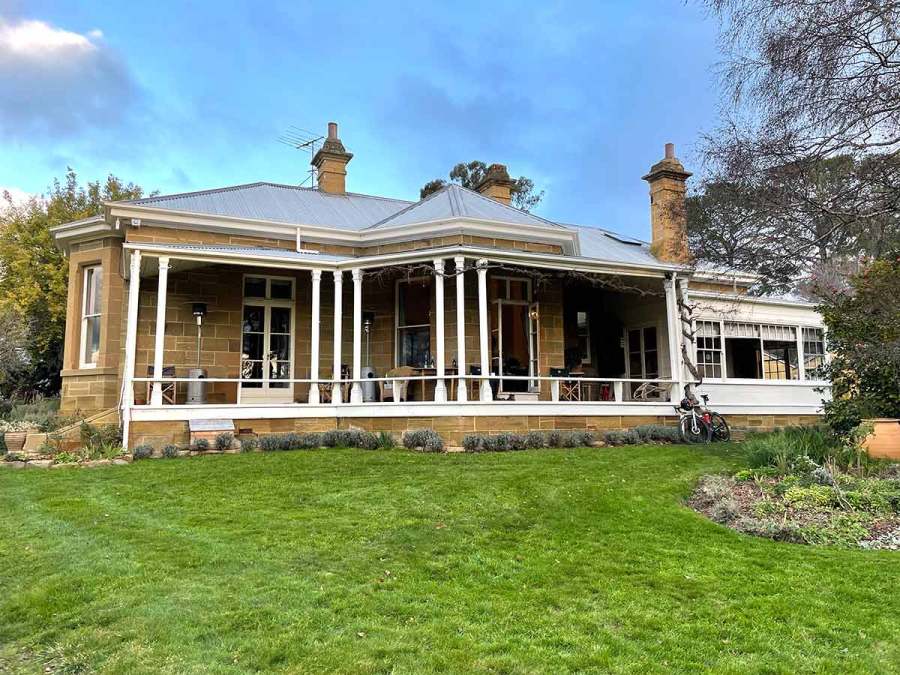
{"type": "Point", "coordinates": [883, 438]}
{"type": "Point", "coordinates": [14, 434]}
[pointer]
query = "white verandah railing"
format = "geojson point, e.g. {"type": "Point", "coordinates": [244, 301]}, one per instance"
{"type": "Point", "coordinates": [563, 388]}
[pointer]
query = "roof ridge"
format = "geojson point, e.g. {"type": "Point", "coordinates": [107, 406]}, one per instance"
{"type": "Point", "coordinates": [176, 195]}
{"type": "Point", "coordinates": [506, 206]}
{"type": "Point", "coordinates": [242, 186]}
{"type": "Point", "coordinates": [413, 205]}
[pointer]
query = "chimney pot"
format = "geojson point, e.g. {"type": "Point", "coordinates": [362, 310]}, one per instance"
{"type": "Point", "coordinates": [331, 163]}
{"type": "Point", "coordinates": [668, 215]}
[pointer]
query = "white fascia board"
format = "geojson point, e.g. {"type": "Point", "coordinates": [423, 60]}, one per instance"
{"type": "Point", "coordinates": [751, 299]}
{"type": "Point", "coordinates": [66, 234]}
{"type": "Point", "coordinates": [728, 277]}
{"type": "Point", "coordinates": [538, 260]}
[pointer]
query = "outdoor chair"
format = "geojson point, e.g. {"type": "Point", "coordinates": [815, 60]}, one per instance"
{"type": "Point", "coordinates": [395, 389]}
{"type": "Point", "coordinates": [168, 388]}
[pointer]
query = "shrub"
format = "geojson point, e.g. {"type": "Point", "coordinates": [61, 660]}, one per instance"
{"type": "Point", "coordinates": [554, 439]}
{"type": "Point", "coordinates": [97, 436]}
{"type": "Point", "coordinates": [427, 440]}
{"type": "Point", "coordinates": [249, 444]}
{"type": "Point", "coordinates": [472, 443]}
{"type": "Point", "coordinates": [41, 414]}
{"type": "Point", "coordinates": [385, 441]}
{"type": "Point", "coordinates": [630, 437]}
{"type": "Point", "coordinates": [142, 452]}
{"type": "Point", "coordinates": [200, 445]}
{"type": "Point", "coordinates": [724, 511]}
{"type": "Point", "coordinates": [65, 457]}
{"type": "Point", "coordinates": [534, 439]}
{"type": "Point", "coordinates": [658, 433]}
{"type": "Point", "coordinates": [224, 441]}
{"type": "Point", "coordinates": [783, 448]}
{"type": "Point", "coordinates": [170, 451]}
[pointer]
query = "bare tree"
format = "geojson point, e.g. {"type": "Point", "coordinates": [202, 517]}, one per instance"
{"type": "Point", "coordinates": [810, 130]}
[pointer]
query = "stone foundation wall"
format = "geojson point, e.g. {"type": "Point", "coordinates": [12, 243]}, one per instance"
{"type": "Point", "coordinates": [453, 429]}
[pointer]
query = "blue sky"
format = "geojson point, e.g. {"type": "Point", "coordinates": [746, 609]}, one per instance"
{"type": "Point", "coordinates": [188, 96]}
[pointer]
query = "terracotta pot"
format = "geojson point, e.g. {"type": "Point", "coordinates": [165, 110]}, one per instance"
{"type": "Point", "coordinates": [884, 441]}
{"type": "Point", "coordinates": [15, 440]}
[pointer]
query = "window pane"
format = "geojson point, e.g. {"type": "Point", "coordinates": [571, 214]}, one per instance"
{"type": "Point", "coordinates": [414, 302]}
{"type": "Point", "coordinates": [281, 320]}
{"type": "Point", "coordinates": [649, 338]}
{"type": "Point", "coordinates": [518, 290]}
{"type": "Point", "coordinates": [253, 346]}
{"type": "Point", "coordinates": [652, 364]}
{"type": "Point", "coordinates": [779, 360]}
{"type": "Point", "coordinates": [279, 370]}
{"type": "Point", "coordinates": [253, 319]}
{"type": "Point", "coordinates": [251, 370]}
{"type": "Point", "coordinates": [282, 289]}
{"type": "Point", "coordinates": [93, 290]}
{"type": "Point", "coordinates": [280, 347]}
{"type": "Point", "coordinates": [415, 345]}
{"type": "Point", "coordinates": [254, 287]}
{"type": "Point", "coordinates": [92, 339]}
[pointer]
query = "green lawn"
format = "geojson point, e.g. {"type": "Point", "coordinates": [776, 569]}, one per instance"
{"type": "Point", "coordinates": [355, 561]}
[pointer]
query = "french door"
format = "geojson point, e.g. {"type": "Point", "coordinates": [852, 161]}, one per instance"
{"type": "Point", "coordinates": [516, 337]}
{"type": "Point", "coordinates": [643, 355]}
{"type": "Point", "coordinates": [267, 340]}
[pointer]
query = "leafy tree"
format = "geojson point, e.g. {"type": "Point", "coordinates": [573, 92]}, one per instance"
{"type": "Point", "coordinates": [863, 320]}
{"type": "Point", "coordinates": [810, 132]}
{"type": "Point", "coordinates": [34, 276]}
{"type": "Point", "coordinates": [767, 226]}
{"type": "Point", "coordinates": [469, 175]}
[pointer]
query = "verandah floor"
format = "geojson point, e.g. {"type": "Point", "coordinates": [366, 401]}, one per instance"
{"type": "Point", "coordinates": [353, 561]}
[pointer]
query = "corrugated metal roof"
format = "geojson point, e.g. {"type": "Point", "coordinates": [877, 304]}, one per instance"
{"type": "Point", "coordinates": [455, 201]}
{"type": "Point", "coordinates": [602, 245]}
{"type": "Point", "coordinates": [275, 253]}
{"type": "Point", "coordinates": [284, 204]}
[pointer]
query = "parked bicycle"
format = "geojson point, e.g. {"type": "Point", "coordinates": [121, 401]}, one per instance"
{"type": "Point", "coordinates": [699, 424]}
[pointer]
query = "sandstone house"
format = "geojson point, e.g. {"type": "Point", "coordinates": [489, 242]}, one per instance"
{"type": "Point", "coordinates": [273, 308]}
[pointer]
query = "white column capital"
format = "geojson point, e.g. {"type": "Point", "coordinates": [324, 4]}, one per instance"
{"type": "Point", "coordinates": [164, 262]}
{"type": "Point", "coordinates": [481, 264]}
{"type": "Point", "coordinates": [438, 265]}
{"type": "Point", "coordinates": [338, 276]}
{"type": "Point", "coordinates": [460, 262]}
{"type": "Point", "coordinates": [357, 274]}
{"type": "Point", "coordinates": [316, 274]}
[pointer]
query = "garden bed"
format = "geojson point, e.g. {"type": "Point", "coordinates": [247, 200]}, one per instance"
{"type": "Point", "coordinates": [807, 487]}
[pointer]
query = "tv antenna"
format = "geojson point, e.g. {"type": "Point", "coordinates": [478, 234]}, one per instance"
{"type": "Point", "coordinates": [307, 141]}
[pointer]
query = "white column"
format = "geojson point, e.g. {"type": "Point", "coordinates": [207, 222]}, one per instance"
{"type": "Point", "coordinates": [314, 338]}
{"type": "Point", "coordinates": [440, 387]}
{"type": "Point", "coordinates": [336, 392]}
{"type": "Point", "coordinates": [486, 393]}
{"type": "Point", "coordinates": [461, 385]}
{"type": "Point", "coordinates": [356, 389]}
{"type": "Point", "coordinates": [159, 344]}
{"type": "Point", "coordinates": [685, 376]}
{"type": "Point", "coordinates": [134, 291]}
{"type": "Point", "coordinates": [673, 323]}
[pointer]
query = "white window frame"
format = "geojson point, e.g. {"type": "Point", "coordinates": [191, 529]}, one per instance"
{"type": "Point", "coordinates": [89, 273]}
{"type": "Point", "coordinates": [798, 327]}
{"type": "Point", "coordinates": [586, 361]}
{"type": "Point", "coordinates": [265, 392]}
{"type": "Point", "coordinates": [397, 325]}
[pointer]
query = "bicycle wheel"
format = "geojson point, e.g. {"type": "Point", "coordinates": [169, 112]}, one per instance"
{"type": "Point", "coordinates": [720, 430]}
{"type": "Point", "coordinates": [695, 430]}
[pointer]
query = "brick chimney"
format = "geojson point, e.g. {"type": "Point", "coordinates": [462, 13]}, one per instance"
{"type": "Point", "coordinates": [668, 215]}
{"type": "Point", "coordinates": [496, 184]}
{"type": "Point", "coordinates": [331, 163]}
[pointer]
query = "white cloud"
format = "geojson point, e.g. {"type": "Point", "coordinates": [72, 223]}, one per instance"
{"type": "Point", "coordinates": [38, 39]}
{"type": "Point", "coordinates": [56, 83]}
